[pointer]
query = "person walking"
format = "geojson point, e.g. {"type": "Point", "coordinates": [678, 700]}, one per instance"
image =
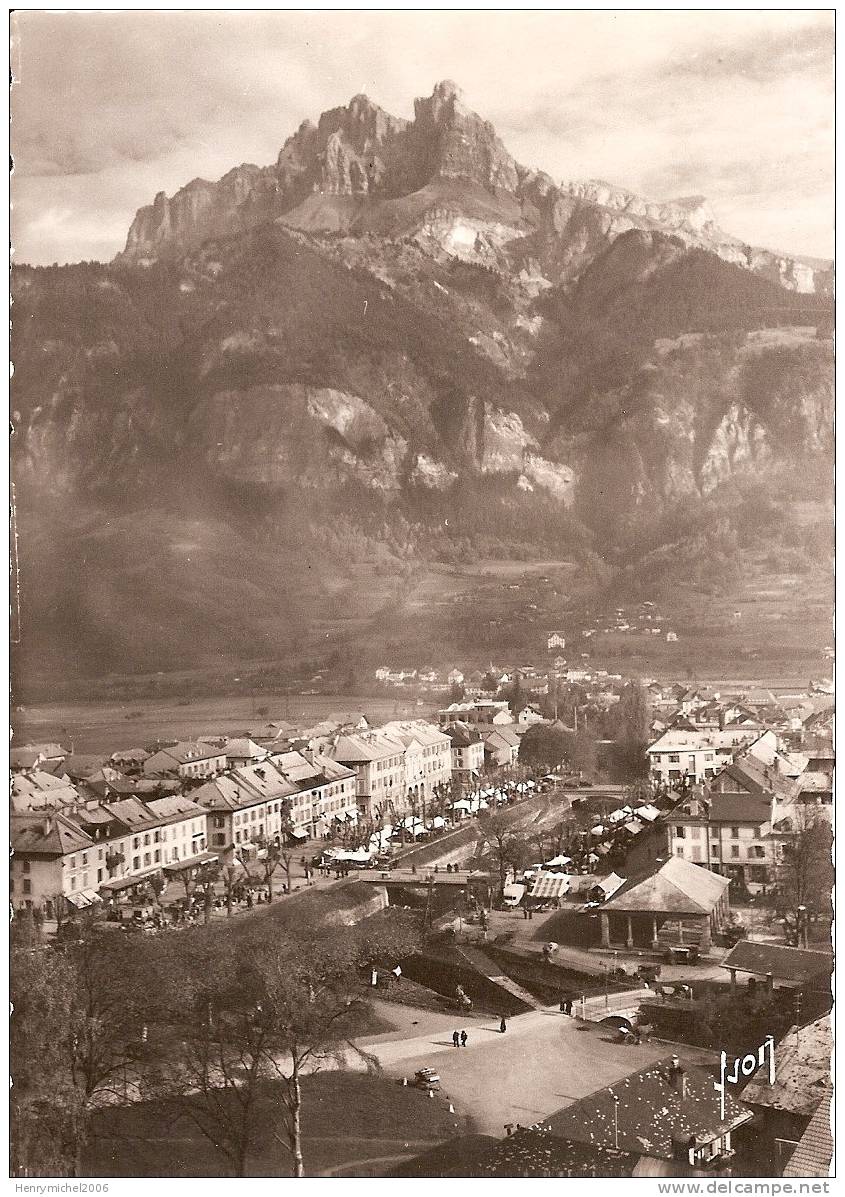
{"type": "Point", "coordinates": [456, 1039]}
{"type": "Point", "coordinates": [464, 1038]}
{"type": "Point", "coordinates": [503, 1026]}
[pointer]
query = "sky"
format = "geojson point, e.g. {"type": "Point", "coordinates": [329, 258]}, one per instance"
{"type": "Point", "coordinates": [110, 108]}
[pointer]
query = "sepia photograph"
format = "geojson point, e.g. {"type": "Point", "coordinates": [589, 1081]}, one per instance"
{"type": "Point", "coordinates": [422, 596]}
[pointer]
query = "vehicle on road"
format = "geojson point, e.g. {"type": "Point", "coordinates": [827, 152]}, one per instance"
{"type": "Point", "coordinates": [513, 895]}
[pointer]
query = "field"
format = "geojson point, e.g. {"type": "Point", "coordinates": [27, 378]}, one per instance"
{"type": "Point", "coordinates": [363, 1125]}
{"type": "Point", "coordinates": [770, 630]}
{"type": "Point", "coordinates": [96, 727]}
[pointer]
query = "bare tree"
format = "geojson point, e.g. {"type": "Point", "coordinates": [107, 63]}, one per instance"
{"type": "Point", "coordinates": [229, 876]}
{"type": "Point", "coordinates": [804, 874]}
{"type": "Point", "coordinates": [273, 856]}
{"type": "Point", "coordinates": [77, 1020]}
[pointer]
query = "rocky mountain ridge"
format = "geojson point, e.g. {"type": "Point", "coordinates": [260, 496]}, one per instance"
{"type": "Point", "coordinates": [347, 172]}
{"type": "Point", "coordinates": [247, 434]}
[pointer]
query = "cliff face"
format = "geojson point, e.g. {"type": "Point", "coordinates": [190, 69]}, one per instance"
{"type": "Point", "coordinates": [361, 153]}
{"type": "Point", "coordinates": [243, 410]}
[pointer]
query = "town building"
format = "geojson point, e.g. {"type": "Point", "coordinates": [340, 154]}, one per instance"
{"type": "Point", "coordinates": [555, 640]}
{"type": "Point", "coordinates": [671, 903]}
{"type": "Point", "coordinates": [37, 790]}
{"type": "Point", "coordinates": [427, 758]}
{"type": "Point", "coordinates": [49, 862]}
{"type": "Point", "coordinates": [814, 1153]}
{"type": "Point", "coordinates": [667, 1115]}
{"type": "Point", "coordinates": [33, 756]}
{"type": "Point", "coordinates": [190, 759]}
{"type": "Point", "coordinates": [783, 1111]}
{"type": "Point", "coordinates": [378, 762]}
{"type": "Point", "coordinates": [467, 753]}
{"type": "Point", "coordinates": [489, 712]}
{"type": "Point", "coordinates": [501, 747]}
{"type": "Point", "coordinates": [695, 755]}
{"type": "Point", "coordinates": [102, 849]}
{"type": "Point", "coordinates": [242, 751]}
{"type": "Point", "coordinates": [249, 807]}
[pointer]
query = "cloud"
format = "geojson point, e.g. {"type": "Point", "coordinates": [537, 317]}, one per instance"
{"type": "Point", "coordinates": [109, 108]}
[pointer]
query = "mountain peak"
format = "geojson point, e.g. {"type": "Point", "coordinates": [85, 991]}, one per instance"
{"type": "Point", "coordinates": [446, 89]}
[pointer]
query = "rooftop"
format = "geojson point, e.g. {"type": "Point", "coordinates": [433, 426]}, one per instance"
{"type": "Point", "coordinates": [814, 1153]}
{"type": "Point", "coordinates": [654, 1111]}
{"type": "Point", "coordinates": [803, 1071]}
{"type": "Point", "coordinates": [47, 835]}
{"type": "Point", "coordinates": [675, 886]}
{"type": "Point", "coordinates": [785, 964]}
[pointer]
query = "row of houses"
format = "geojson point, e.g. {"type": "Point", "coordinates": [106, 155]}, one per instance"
{"type": "Point", "coordinates": [203, 800]}
{"type": "Point", "coordinates": [67, 843]}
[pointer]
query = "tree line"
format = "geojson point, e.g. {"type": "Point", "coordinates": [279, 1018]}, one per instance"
{"type": "Point", "coordinates": [200, 1024]}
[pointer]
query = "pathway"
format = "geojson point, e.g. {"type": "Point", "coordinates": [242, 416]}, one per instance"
{"type": "Point", "coordinates": [482, 963]}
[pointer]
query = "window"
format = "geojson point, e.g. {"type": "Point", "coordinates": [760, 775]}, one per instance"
{"type": "Point", "coordinates": [99, 876]}
{"type": "Point", "coordinates": [27, 886]}
{"type": "Point", "coordinates": [136, 863]}
{"type": "Point", "coordinates": [734, 833]}
{"type": "Point", "coordinates": [26, 866]}
{"type": "Point", "coordinates": [136, 842]}
{"type": "Point", "coordinates": [147, 860]}
{"type": "Point", "coordinates": [679, 851]}
{"type": "Point", "coordinates": [714, 850]}
{"type": "Point", "coordinates": [157, 856]}
{"type": "Point", "coordinates": [695, 833]}
{"type": "Point", "coordinates": [219, 839]}
{"type": "Point", "coordinates": [734, 850]}
{"type": "Point", "coordinates": [681, 833]}
{"type": "Point", "coordinates": [146, 840]}
{"type": "Point", "coordinates": [85, 858]}
{"type": "Point", "coordinates": [73, 883]}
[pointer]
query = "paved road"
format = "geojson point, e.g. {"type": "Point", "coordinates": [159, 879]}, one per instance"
{"type": "Point", "coordinates": [543, 1062]}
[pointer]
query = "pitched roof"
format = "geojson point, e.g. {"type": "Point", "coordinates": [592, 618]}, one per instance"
{"type": "Point", "coordinates": [785, 964]}
{"type": "Point", "coordinates": [181, 754]}
{"type": "Point", "coordinates": [675, 886]}
{"type": "Point", "coordinates": [814, 1153]}
{"type": "Point", "coordinates": [243, 747]}
{"type": "Point", "coordinates": [740, 808]}
{"type": "Point", "coordinates": [132, 812]}
{"type": "Point", "coordinates": [173, 808]}
{"type": "Point", "coordinates": [264, 780]}
{"type": "Point", "coordinates": [368, 746]}
{"type": "Point", "coordinates": [223, 793]}
{"type": "Point", "coordinates": [802, 1074]}
{"type": "Point", "coordinates": [535, 1152]}
{"type": "Point", "coordinates": [655, 1112]}
{"type": "Point", "coordinates": [52, 835]}
{"type": "Point", "coordinates": [462, 735]}
{"type": "Point", "coordinates": [507, 735]}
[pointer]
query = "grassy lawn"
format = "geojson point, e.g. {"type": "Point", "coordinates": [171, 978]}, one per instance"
{"type": "Point", "coordinates": [354, 1124]}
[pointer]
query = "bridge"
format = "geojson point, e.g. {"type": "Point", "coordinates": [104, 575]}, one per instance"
{"type": "Point", "coordinates": [457, 878]}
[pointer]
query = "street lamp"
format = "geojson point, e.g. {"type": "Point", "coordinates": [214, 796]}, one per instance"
{"type": "Point", "coordinates": [615, 1120]}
